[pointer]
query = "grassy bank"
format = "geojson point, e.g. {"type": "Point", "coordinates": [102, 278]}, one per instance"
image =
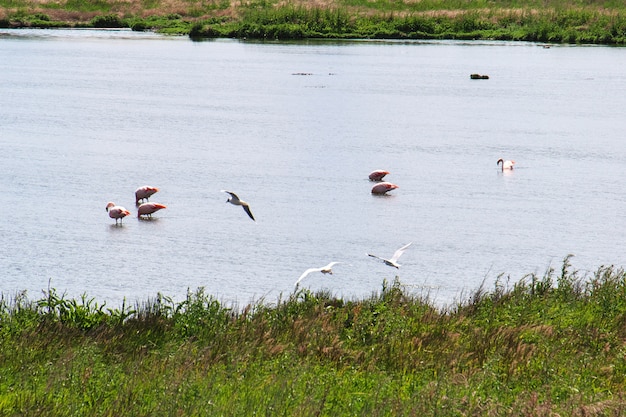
{"type": "Point", "coordinates": [544, 346]}
{"type": "Point", "coordinates": [556, 21]}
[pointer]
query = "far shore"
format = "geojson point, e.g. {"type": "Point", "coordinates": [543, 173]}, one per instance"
{"type": "Point", "coordinates": [551, 21]}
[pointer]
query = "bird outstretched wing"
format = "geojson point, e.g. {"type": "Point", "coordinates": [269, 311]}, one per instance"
{"type": "Point", "coordinates": [397, 254]}
{"type": "Point", "coordinates": [305, 273]}
{"type": "Point", "coordinates": [329, 266]}
{"type": "Point", "coordinates": [247, 210]}
{"type": "Point", "coordinates": [233, 195]}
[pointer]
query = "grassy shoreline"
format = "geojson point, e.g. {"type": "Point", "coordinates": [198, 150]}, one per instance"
{"type": "Point", "coordinates": [543, 346]}
{"type": "Point", "coordinates": [553, 21]}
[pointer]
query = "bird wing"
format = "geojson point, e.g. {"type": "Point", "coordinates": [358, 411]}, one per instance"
{"type": "Point", "coordinates": [377, 257]}
{"type": "Point", "coordinates": [247, 209]}
{"type": "Point", "coordinates": [305, 273]}
{"type": "Point", "coordinates": [233, 195]}
{"type": "Point", "coordinates": [397, 254]}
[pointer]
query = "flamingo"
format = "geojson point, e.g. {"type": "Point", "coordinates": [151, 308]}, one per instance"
{"type": "Point", "coordinates": [144, 193]}
{"type": "Point", "coordinates": [324, 270]}
{"type": "Point", "coordinates": [383, 188]}
{"type": "Point", "coordinates": [378, 175]}
{"type": "Point", "coordinates": [505, 164]}
{"type": "Point", "coordinates": [234, 199]}
{"type": "Point", "coordinates": [146, 209]}
{"type": "Point", "coordinates": [117, 212]}
{"type": "Point", "coordinates": [393, 261]}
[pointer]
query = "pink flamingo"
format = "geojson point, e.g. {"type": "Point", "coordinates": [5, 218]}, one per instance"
{"type": "Point", "coordinates": [505, 164]}
{"type": "Point", "coordinates": [144, 193]}
{"type": "Point", "coordinates": [117, 212]}
{"type": "Point", "coordinates": [378, 175]}
{"type": "Point", "coordinates": [383, 188]}
{"type": "Point", "coordinates": [146, 209]}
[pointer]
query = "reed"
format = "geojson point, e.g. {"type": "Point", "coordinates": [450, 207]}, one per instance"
{"type": "Point", "coordinates": [541, 345]}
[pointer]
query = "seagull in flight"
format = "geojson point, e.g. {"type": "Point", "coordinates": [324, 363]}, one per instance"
{"type": "Point", "coordinates": [393, 261]}
{"type": "Point", "coordinates": [234, 199]}
{"type": "Point", "coordinates": [324, 270]}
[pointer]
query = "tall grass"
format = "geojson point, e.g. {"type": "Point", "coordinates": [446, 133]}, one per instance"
{"type": "Point", "coordinates": [550, 25]}
{"type": "Point", "coordinates": [557, 21]}
{"type": "Point", "coordinates": [543, 345]}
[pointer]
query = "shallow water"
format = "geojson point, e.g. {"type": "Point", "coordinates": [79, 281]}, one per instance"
{"type": "Point", "coordinates": [294, 129]}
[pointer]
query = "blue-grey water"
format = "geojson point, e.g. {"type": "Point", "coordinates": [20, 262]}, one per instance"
{"type": "Point", "coordinates": [295, 128]}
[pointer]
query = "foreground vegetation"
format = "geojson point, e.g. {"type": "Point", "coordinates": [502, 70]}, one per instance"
{"type": "Point", "coordinates": [557, 21]}
{"type": "Point", "coordinates": [544, 346]}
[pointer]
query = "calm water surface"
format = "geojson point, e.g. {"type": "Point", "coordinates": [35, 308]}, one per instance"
{"type": "Point", "coordinates": [88, 116]}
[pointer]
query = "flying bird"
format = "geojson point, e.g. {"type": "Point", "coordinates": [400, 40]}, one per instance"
{"type": "Point", "coordinates": [117, 212]}
{"type": "Point", "coordinates": [383, 188]}
{"type": "Point", "coordinates": [324, 270]}
{"type": "Point", "coordinates": [147, 209]}
{"type": "Point", "coordinates": [393, 261]}
{"type": "Point", "coordinates": [505, 164]}
{"type": "Point", "coordinates": [144, 193]}
{"type": "Point", "coordinates": [234, 199]}
{"type": "Point", "coordinates": [378, 175]}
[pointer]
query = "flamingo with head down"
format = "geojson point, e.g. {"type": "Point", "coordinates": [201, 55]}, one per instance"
{"type": "Point", "coordinates": [117, 212]}
{"type": "Point", "coordinates": [505, 164]}
{"type": "Point", "coordinates": [378, 175]}
{"type": "Point", "coordinates": [147, 209]}
{"type": "Point", "coordinates": [144, 193]}
{"type": "Point", "coordinates": [383, 188]}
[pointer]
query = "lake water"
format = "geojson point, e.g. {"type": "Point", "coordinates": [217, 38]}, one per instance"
{"type": "Point", "coordinates": [295, 128]}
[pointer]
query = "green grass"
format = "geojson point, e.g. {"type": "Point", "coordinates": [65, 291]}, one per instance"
{"type": "Point", "coordinates": [297, 22]}
{"type": "Point", "coordinates": [554, 21]}
{"type": "Point", "coordinates": [549, 345]}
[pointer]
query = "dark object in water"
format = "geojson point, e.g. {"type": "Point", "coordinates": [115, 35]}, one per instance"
{"type": "Point", "coordinates": [479, 77]}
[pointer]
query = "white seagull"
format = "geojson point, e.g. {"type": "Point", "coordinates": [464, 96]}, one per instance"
{"type": "Point", "coordinates": [236, 201]}
{"type": "Point", "coordinates": [324, 270]}
{"type": "Point", "coordinates": [394, 259]}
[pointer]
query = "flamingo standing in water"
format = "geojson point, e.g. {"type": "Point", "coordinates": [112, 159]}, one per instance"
{"type": "Point", "coordinates": [146, 209]}
{"type": "Point", "coordinates": [144, 193]}
{"type": "Point", "coordinates": [505, 164]}
{"type": "Point", "coordinates": [324, 270]}
{"type": "Point", "coordinates": [393, 261]}
{"type": "Point", "coordinates": [234, 199]}
{"type": "Point", "coordinates": [378, 175]}
{"type": "Point", "coordinates": [117, 212]}
{"type": "Point", "coordinates": [383, 188]}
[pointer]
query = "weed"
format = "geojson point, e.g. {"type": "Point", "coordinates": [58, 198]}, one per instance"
{"type": "Point", "coordinates": [543, 345]}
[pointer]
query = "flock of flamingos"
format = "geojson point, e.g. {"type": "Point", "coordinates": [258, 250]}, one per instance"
{"type": "Point", "coordinates": [145, 208]}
